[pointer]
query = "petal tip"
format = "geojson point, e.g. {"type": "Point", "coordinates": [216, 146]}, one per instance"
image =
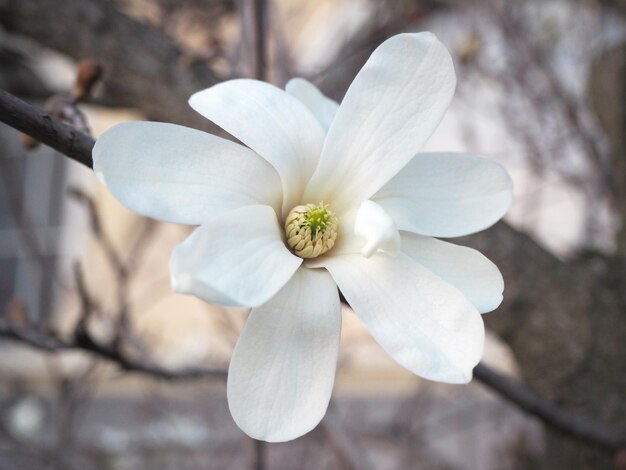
{"type": "Point", "coordinates": [492, 306]}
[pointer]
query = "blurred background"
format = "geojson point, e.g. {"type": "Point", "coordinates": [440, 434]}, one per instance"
{"type": "Point", "coordinates": [111, 370]}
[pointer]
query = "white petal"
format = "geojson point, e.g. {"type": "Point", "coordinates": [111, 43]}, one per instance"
{"type": "Point", "coordinates": [365, 229]}
{"type": "Point", "coordinates": [237, 259]}
{"type": "Point", "coordinates": [378, 230]}
{"type": "Point", "coordinates": [272, 123]}
{"type": "Point", "coordinates": [347, 240]}
{"type": "Point", "coordinates": [394, 104]}
{"type": "Point", "coordinates": [425, 324]}
{"type": "Point", "coordinates": [465, 268]}
{"type": "Point", "coordinates": [283, 368]}
{"type": "Point", "coordinates": [322, 107]}
{"type": "Point", "coordinates": [181, 175]}
{"type": "Point", "coordinates": [447, 194]}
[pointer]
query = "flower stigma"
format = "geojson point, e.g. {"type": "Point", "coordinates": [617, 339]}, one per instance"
{"type": "Point", "coordinates": [311, 230]}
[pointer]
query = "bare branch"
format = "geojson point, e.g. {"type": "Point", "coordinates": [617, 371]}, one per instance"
{"type": "Point", "coordinates": [144, 67]}
{"type": "Point", "coordinates": [85, 342]}
{"type": "Point", "coordinates": [259, 15]}
{"type": "Point", "coordinates": [349, 451]}
{"type": "Point", "coordinates": [258, 454]}
{"type": "Point", "coordinates": [253, 24]}
{"type": "Point", "coordinates": [46, 129]}
{"type": "Point", "coordinates": [555, 417]}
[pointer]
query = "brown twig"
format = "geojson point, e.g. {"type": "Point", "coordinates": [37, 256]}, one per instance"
{"type": "Point", "coordinates": [555, 417]}
{"type": "Point", "coordinates": [83, 341]}
{"type": "Point", "coordinates": [259, 16]}
{"type": "Point", "coordinates": [46, 129]}
{"type": "Point", "coordinates": [258, 454]}
{"type": "Point", "coordinates": [253, 19]}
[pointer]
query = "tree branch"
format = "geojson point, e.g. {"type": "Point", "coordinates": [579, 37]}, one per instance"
{"type": "Point", "coordinates": [45, 128]}
{"type": "Point", "coordinates": [349, 451]}
{"type": "Point", "coordinates": [555, 417]}
{"type": "Point", "coordinates": [83, 341]}
{"type": "Point", "coordinates": [259, 15]}
{"type": "Point", "coordinates": [143, 66]}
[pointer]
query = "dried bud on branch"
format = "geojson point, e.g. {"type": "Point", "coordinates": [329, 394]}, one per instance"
{"type": "Point", "coordinates": [64, 106]}
{"type": "Point", "coordinates": [88, 75]}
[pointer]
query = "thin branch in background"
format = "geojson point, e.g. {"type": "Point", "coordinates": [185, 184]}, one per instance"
{"type": "Point", "coordinates": [347, 448]}
{"type": "Point", "coordinates": [44, 341]}
{"type": "Point", "coordinates": [259, 16]}
{"type": "Point", "coordinates": [74, 393]}
{"type": "Point", "coordinates": [258, 455]}
{"type": "Point", "coordinates": [97, 231]}
{"type": "Point", "coordinates": [88, 307]}
{"type": "Point", "coordinates": [555, 417]}
{"type": "Point", "coordinates": [115, 261]}
{"type": "Point", "coordinates": [253, 20]}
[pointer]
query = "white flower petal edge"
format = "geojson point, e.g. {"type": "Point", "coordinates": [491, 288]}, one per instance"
{"type": "Point", "coordinates": [425, 324]}
{"type": "Point", "coordinates": [272, 123]}
{"type": "Point", "coordinates": [282, 371]}
{"type": "Point", "coordinates": [238, 259]}
{"type": "Point", "coordinates": [393, 105]}
{"type": "Point", "coordinates": [447, 194]}
{"type": "Point", "coordinates": [322, 107]}
{"type": "Point", "coordinates": [181, 175]}
{"type": "Point", "coordinates": [468, 270]}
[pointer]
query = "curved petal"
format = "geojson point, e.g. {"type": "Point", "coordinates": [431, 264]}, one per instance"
{"type": "Point", "coordinates": [392, 107]}
{"type": "Point", "coordinates": [378, 230]}
{"type": "Point", "coordinates": [181, 175]}
{"type": "Point", "coordinates": [237, 259]}
{"type": "Point", "coordinates": [272, 123]}
{"type": "Point", "coordinates": [425, 324]}
{"type": "Point", "coordinates": [282, 371]}
{"type": "Point", "coordinates": [347, 240]}
{"type": "Point", "coordinates": [447, 194]}
{"type": "Point", "coordinates": [468, 270]}
{"type": "Point", "coordinates": [365, 229]}
{"type": "Point", "coordinates": [322, 107]}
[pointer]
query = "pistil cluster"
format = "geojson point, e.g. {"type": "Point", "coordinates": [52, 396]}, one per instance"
{"type": "Point", "coordinates": [311, 230]}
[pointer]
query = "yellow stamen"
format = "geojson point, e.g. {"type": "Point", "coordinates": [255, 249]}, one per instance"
{"type": "Point", "coordinates": [311, 230]}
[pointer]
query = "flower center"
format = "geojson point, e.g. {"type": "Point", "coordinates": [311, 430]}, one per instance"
{"type": "Point", "coordinates": [311, 230]}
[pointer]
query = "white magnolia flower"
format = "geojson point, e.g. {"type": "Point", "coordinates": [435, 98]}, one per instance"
{"type": "Point", "coordinates": [323, 195]}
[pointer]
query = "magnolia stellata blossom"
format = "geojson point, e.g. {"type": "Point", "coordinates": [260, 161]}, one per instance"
{"type": "Point", "coordinates": [321, 196]}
